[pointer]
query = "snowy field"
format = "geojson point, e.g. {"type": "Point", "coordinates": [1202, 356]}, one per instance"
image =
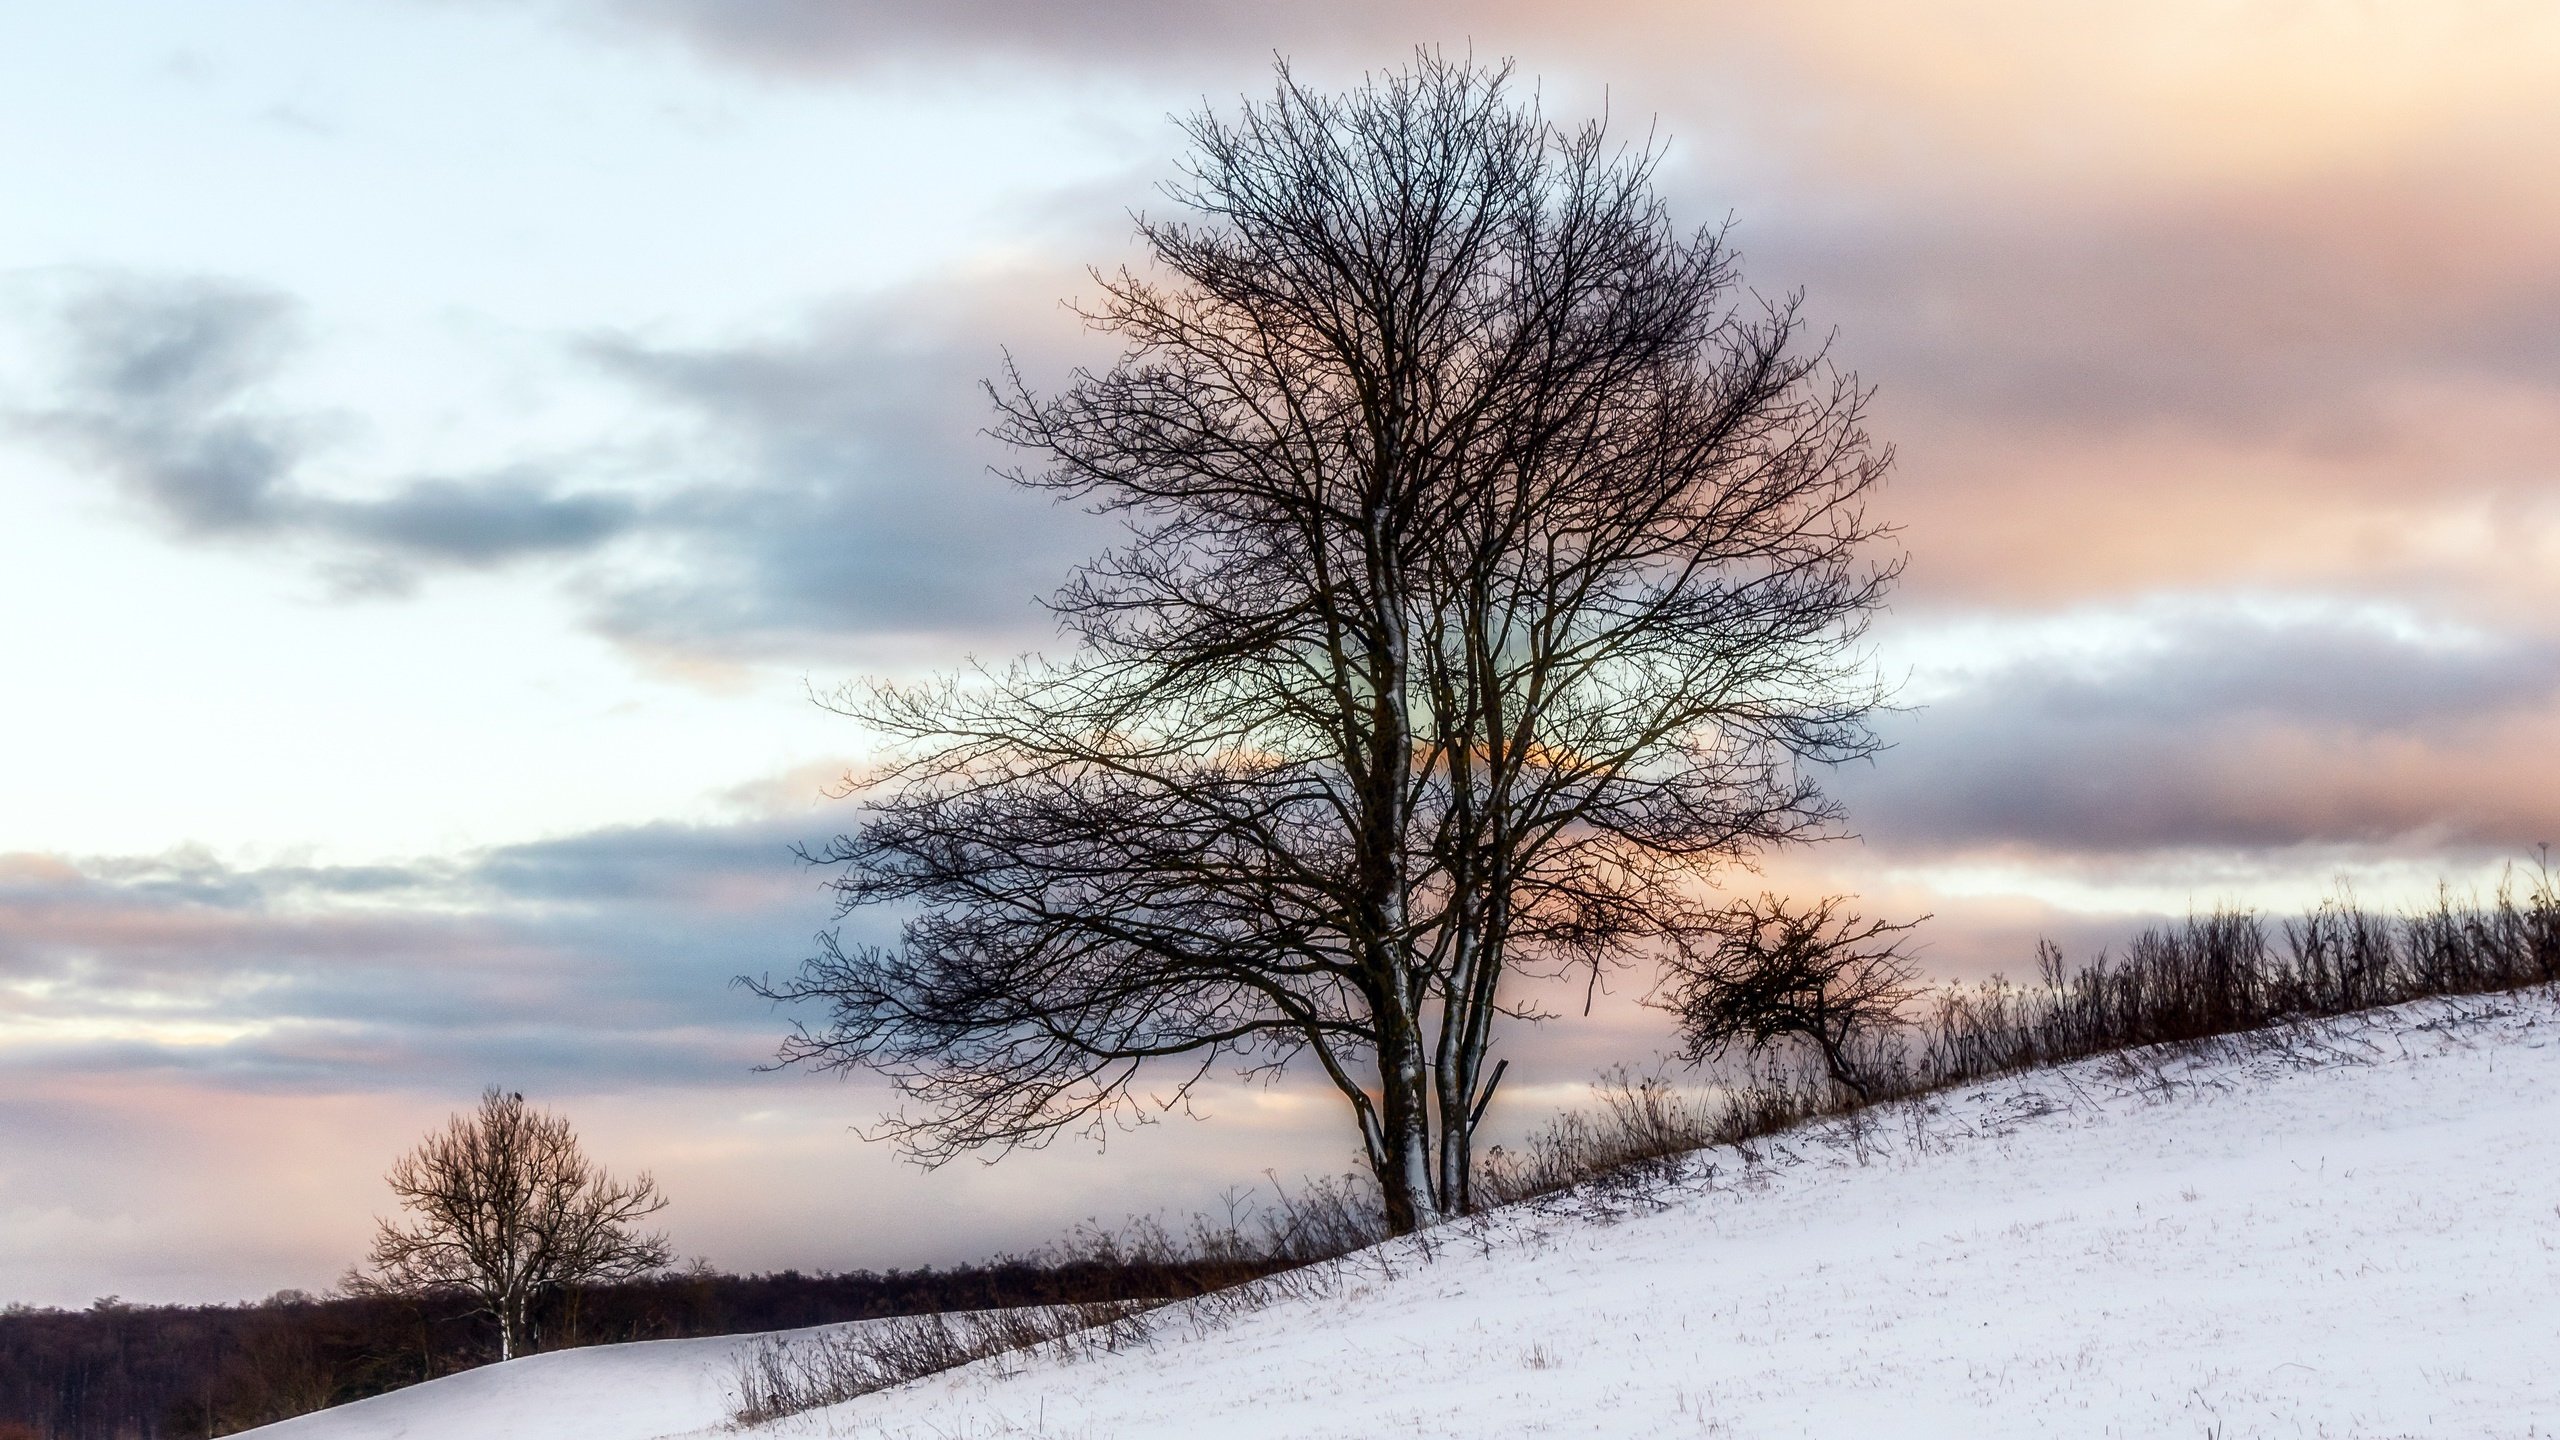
{"type": "Point", "coordinates": [2353, 1234]}
{"type": "Point", "coordinates": [609, 1392]}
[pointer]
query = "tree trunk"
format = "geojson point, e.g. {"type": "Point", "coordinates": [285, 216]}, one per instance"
{"type": "Point", "coordinates": [1456, 1072]}
{"type": "Point", "coordinates": [510, 1310]}
{"type": "Point", "coordinates": [1404, 1113]}
{"type": "Point", "coordinates": [1466, 1033]}
{"type": "Point", "coordinates": [1404, 1068]}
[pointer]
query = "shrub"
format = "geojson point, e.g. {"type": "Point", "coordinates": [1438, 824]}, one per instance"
{"type": "Point", "coordinates": [1839, 983]}
{"type": "Point", "coordinates": [1823, 975]}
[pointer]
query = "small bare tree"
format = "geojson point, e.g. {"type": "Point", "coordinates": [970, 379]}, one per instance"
{"type": "Point", "coordinates": [509, 1209]}
{"type": "Point", "coordinates": [1823, 974]}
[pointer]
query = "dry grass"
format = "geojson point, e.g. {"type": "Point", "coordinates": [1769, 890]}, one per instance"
{"type": "Point", "coordinates": [786, 1375]}
{"type": "Point", "coordinates": [1265, 1250]}
{"type": "Point", "coordinates": [2220, 974]}
{"type": "Point", "coordinates": [2214, 975]}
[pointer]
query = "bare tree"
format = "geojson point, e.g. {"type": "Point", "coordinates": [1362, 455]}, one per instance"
{"type": "Point", "coordinates": [1494, 568]}
{"type": "Point", "coordinates": [508, 1209]}
{"type": "Point", "coordinates": [1821, 973]}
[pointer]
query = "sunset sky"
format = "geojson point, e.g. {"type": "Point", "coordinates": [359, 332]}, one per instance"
{"type": "Point", "coordinates": [444, 442]}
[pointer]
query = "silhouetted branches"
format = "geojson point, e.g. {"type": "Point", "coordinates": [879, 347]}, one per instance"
{"type": "Point", "coordinates": [1822, 974]}
{"type": "Point", "coordinates": [1495, 567]}
{"type": "Point", "coordinates": [507, 1210]}
{"type": "Point", "coordinates": [2219, 974]}
{"type": "Point", "coordinates": [2223, 972]}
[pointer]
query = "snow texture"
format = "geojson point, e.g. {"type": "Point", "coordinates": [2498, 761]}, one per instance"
{"type": "Point", "coordinates": [605, 1392]}
{"type": "Point", "coordinates": [2349, 1229]}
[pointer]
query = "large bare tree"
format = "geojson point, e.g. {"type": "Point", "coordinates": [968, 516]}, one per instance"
{"type": "Point", "coordinates": [507, 1209]}
{"type": "Point", "coordinates": [1495, 571]}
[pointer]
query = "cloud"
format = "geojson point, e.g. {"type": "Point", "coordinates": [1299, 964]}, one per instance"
{"type": "Point", "coordinates": [2222, 730]}
{"type": "Point", "coordinates": [156, 375]}
{"type": "Point", "coordinates": [2164, 297]}
{"type": "Point", "coordinates": [599, 957]}
{"type": "Point", "coordinates": [2293, 312]}
{"type": "Point", "coordinates": [2344, 381]}
{"type": "Point", "coordinates": [266, 1039]}
{"type": "Point", "coordinates": [2164, 300]}
{"type": "Point", "coordinates": [816, 37]}
{"type": "Point", "coordinates": [2231, 218]}
{"type": "Point", "coordinates": [857, 497]}
{"type": "Point", "coordinates": [165, 386]}
{"type": "Point", "coordinates": [2167, 297]}
{"type": "Point", "coordinates": [476, 522]}
{"type": "Point", "coordinates": [825, 489]}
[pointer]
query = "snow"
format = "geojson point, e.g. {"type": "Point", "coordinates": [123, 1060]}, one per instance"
{"type": "Point", "coordinates": [624, 1392]}
{"type": "Point", "coordinates": [2352, 1232]}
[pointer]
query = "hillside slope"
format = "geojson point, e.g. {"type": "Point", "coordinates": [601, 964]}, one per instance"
{"type": "Point", "coordinates": [603, 1392]}
{"type": "Point", "coordinates": [2352, 1233]}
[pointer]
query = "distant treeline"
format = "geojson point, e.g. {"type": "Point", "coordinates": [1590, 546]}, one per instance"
{"type": "Point", "coordinates": [144, 1372]}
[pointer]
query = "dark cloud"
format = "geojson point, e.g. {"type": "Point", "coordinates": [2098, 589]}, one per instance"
{"type": "Point", "coordinates": [822, 36]}
{"type": "Point", "coordinates": [2059, 240]}
{"type": "Point", "coordinates": [2226, 733]}
{"type": "Point", "coordinates": [603, 958]}
{"type": "Point", "coordinates": [2098, 389]}
{"type": "Point", "coordinates": [818, 490]}
{"type": "Point", "coordinates": [856, 493]}
{"type": "Point", "coordinates": [478, 522]}
{"type": "Point", "coordinates": [2339, 675]}
{"type": "Point", "coordinates": [2294, 314]}
{"type": "Point", "coordinates": [2139, 320]}
{"type": "Point", "coordinates": [165, 387]}
{"type": "Point", "coordinates": [158, 376]}
{"type": "Point", "coordinates": [601, 955]}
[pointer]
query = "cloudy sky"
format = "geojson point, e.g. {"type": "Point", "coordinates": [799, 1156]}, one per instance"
{"type": "Point", "coordinates": [442, 442]}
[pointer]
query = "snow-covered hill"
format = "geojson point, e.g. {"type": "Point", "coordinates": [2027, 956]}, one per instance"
{"type": "Point", "coordinates": [607, 1392]}
{"type": "Point", "coordinates": [2354, 1234]}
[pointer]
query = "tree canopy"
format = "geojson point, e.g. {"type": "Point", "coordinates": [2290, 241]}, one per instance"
{"type": "Point", "coordinates": [1494, 573]}
{"type": "Point", "coordinates": [505, 1207]}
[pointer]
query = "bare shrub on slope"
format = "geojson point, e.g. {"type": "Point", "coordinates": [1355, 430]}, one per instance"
{"type": "Point", "coordinates": [1816, 972]}
{"type": "Point", "coordinates": [2224, 972]}
{"type": "Point", "coordinates": [1821, 973]}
